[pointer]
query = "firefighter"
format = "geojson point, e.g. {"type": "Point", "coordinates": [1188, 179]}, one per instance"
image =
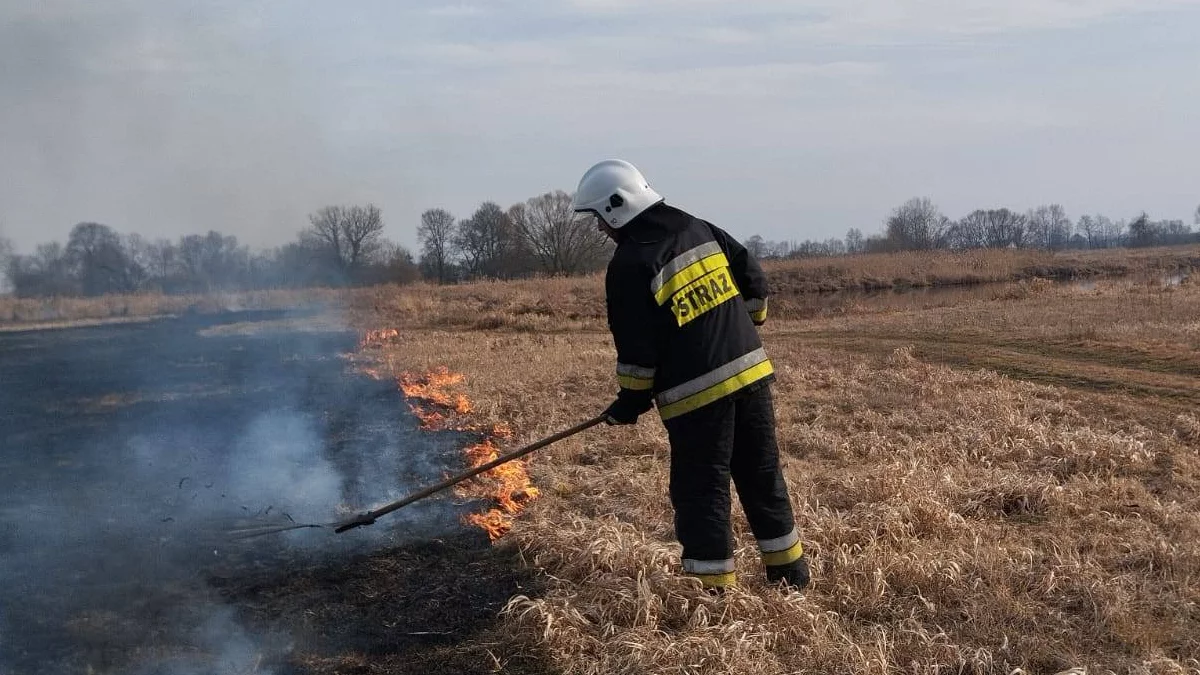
{"type": "Point", "coordinates": [684, 299]}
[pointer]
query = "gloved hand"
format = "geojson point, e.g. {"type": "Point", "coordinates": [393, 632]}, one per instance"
{"type": "Point", "coordinates": [623, 411]}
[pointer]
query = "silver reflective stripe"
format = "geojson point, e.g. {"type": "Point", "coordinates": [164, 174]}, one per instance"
{"type": "Point", "coordinates": [708, 566]}
{"type": "Point", "coordinates": [712, 377]}
{"type": "Point", "coordinates": [681, 261]}
{"type": "Point", "coordinates": [779, 543]}
{"type": "Point", "coordinates": [755, 304]}
{"type": "Point", "coordinates": [635, 371]}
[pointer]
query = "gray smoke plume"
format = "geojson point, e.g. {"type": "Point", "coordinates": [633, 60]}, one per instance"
{"type": "Point", "coordinates": [217, 645]}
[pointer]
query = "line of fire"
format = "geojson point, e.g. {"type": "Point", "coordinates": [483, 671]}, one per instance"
{"type": "Point", "coordinates": [432, 397]}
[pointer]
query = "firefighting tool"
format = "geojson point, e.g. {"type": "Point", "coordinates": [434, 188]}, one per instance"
{"type": "Point", "coordinates": [370, 517]}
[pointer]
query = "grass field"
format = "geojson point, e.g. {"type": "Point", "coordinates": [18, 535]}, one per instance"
{"type": "Point", "coordinates": [1000, 479]}
{"type": "Point", "coordinates": [996, 477]}
{"type": "Point", "coordinates": [944, 268]}
{"type": "Point", "coordinates": [474, 307]}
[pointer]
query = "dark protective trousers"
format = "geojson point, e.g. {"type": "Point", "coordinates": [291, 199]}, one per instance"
{"type": "Point", "coordinates": [731, 437]}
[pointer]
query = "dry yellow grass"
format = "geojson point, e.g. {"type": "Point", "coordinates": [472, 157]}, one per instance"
{"type": "Point", "coordinates": [948, 268]}
{"type": "Point", "coordinates": [1003, 481]}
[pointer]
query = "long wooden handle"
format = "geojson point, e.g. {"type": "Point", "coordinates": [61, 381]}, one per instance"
{"type": "Point", "coordinates": [369, 517]}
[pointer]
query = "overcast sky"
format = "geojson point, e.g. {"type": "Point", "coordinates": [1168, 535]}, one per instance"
{"type": "Point", "coordinates": [792, 120]}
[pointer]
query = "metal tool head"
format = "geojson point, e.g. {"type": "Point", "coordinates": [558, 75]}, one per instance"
{"type": "Point", "coordinates": [263, 530]}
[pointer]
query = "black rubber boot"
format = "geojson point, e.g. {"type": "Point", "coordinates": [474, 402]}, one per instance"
{"type": "Point", "coordinates": [794, 574]}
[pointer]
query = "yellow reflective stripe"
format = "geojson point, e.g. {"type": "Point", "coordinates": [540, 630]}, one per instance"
{"type": "Point", "coordinates": [759, 317]}
{"type": "Point", "coordinates": [716, 376]}
{"type": "Point", "coordinates": [779, 543]}
{"type": "Point", "coordinates": [637, 383]}
{"type": "Point", "coordinates": [689, 274]}
{"type": "Point", "coordinates": [636, 371]}
{"type": "Point", "coordinates": [717, 580]}
{"type": "Point", "coordinates": [707, 566]}
{"type": "Point", "coordinates": [717, 391]}
{"type": "Point", "coordinates": [786, 556]}
{"type": "Point", "coordinates": [681, 261]}
{"type": "Point", "coordinates": [706, 293]}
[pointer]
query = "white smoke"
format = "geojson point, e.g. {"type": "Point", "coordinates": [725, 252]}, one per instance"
{"type": "Point", "coordinates": [279, 460]}
{"type": "Point", "coordinates": [219, 645]}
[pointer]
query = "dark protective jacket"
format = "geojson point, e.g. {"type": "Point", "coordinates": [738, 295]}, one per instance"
{"type": "Point", "coordinates": [683, 299]}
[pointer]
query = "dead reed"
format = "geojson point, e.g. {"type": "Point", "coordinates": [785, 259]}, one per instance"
{"type": "Point", "coordinates": [916, 269]}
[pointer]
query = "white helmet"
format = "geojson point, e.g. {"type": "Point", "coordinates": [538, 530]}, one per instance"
{"type": "Point", "coordinates": [615, 191]}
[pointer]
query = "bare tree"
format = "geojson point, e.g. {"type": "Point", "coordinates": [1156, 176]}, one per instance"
{"type": "Point", "coordinates": [834, 246]}
{"type": "Point", "coordinates": [917, 225]}
{"type": "Point", "coordinates": [436, 234]}
{"type": "Point", "coordinates": [349, 235]}
{"type": "Point", "coordinates": [1088, 228]}
{"type": "Point", "coordinates": [138, 254]}
{"type": "Point", "coordinates": [1037, 228]}
{"type": "Point", "coordinates": [756, 246]}
{"type": "Point", "coordinates": [1097, 230]}
{"type": "Point", "coordinates": [1143, 231]}
{"type": "Point", "coordinates": [819, 249]}
{"type": "Point", "coordinates": [163, 257]}
{"type": "Point", "coordinates": [854, 241]}
{"type": "Point", "coordinates": [1003, 228]}
{"type": "Point", "coordinates": [489, 243]}
{"type": "Point", "coordinates": [98, 260]}
{"type": "Point", "coordinates": [1114, 231]}
{"type": "Point", "coordinates": [562, 241]}
{"type": "Point", "coordinates": [325, 233]}
{"type": "Point", "coordinates": [1196, 218]}
{"type": "Point", "coordinates": [779, 249]}
{"type": "Point", "coordinates": [44, 273]}
{"type": "Point", "coordinates": [1175, 232]}
{"type": "Point", "coordinates": [393, 264]}
{"type": "Point", "coordinates": [361, 231]}
{"type": "Point", "coordinates": [212, 262]}
{"type": "Point", "coordinates": [1060, 227]}
{"type": "Point", "coordinates": [1047, 227]}
{"type": "Point", "coordinates": [970, 231]}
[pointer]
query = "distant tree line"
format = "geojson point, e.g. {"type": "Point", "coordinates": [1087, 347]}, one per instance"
{"type": "Point", "coordinates": [342, 246]}
{"type": "Point", "coordinates": [919, 225]}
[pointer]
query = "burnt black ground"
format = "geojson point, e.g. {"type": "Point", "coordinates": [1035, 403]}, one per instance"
{"type": "Point", "coordinates": [127, 451]}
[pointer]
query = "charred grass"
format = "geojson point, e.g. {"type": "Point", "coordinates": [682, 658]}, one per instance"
{"type": "Point", "coordinates": [56, 312]}
{"type": "Point", "coordinates": [426, 608]}
{"type": "Point", "coordinates": [1007, 481]}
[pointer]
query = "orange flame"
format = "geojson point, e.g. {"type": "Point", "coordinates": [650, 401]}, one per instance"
{"type": "Point", "coordinates": [430, 399]}
{"type": "Point", "coordinates": [507, 484]}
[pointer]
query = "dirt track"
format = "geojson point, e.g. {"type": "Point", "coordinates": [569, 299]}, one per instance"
{"type": "Point", "coordinates": [127, 450]}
